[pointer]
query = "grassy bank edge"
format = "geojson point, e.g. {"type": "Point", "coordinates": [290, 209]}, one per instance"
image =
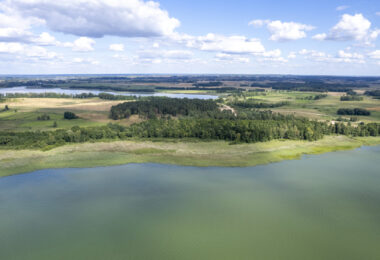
{"type": "Point", "coordinates": [200, 154]}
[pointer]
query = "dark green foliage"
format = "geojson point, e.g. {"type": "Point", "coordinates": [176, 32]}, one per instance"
{"type": "Point", "coordinates": [255, 104]}
{"type": "Point", "coordinates": [208, 84]}
{"type": "Point", "coordinates": [207, 129]}
{"type": "Point", "coordinates": [351, 98]}
{"type": "Point", "coordinates": [108, 96]}
{"type": "Point", "coordinates": [353, 112]}
{"type": "Point", "coordinates": [44, 117]}
{"type": "Point", "coordinates": [69, 115]}
{"type": "Point", "coordinates": [373, 93]}
{"type": "Point", "coordinates": [315, 97]}
{"type": "Point", "coordinates": [154, 106]}
{"type": "Point", "coordinates": [311, 85]}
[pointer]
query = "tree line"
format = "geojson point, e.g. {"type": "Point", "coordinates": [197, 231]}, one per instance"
{"type": "Point", "coordinates": [153, 106]}
{"type": "Point", "coordinates": [238, 131]}
{"type": "Point", "coordinates": [353, 112]}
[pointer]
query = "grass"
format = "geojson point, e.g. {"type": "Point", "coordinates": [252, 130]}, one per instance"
{"type": "Point", "coordinates": [322, 109]}
{"type": "Point", "coordinates": [216, 153]}
{"type": "Point", "coordinates": [23, 113]}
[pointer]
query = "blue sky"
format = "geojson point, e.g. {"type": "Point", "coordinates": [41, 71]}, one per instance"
{"type": "Point", "coordinates": [133, 36]}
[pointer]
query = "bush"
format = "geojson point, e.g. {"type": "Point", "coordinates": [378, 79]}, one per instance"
{"type": "Point", "coordinates": [69, 115]}
{"type": "Point", "coordinates": [353, 112]}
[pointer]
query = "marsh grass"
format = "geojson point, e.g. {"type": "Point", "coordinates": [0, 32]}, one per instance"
{"type": "Point", "coordinates": [201, 154]}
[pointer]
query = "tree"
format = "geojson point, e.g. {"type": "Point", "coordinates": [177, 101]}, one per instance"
{"type": "Point", "coordinates": [69, 115]}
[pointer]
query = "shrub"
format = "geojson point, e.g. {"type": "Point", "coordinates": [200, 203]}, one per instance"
{"type": "Point", "coordinates": [69, 115]}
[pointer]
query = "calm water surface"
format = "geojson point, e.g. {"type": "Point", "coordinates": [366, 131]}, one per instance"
{"type": "Point", "coordinates": [321, 207]}
{"type": "Point", "coordinates": [23, 90]}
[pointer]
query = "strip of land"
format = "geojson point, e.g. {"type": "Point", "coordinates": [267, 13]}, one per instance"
{"type": "Point", "coordinates": [197, 153]}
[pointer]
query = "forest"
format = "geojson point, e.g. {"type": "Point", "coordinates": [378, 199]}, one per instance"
{"type": "Point", "coordinates": [154, 106]}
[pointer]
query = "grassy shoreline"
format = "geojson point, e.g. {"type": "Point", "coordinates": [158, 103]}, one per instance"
{"type": "Point", "coordinates": [201, 154]}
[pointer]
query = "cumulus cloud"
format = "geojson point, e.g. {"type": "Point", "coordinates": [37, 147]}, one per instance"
{"type": "Point", "coordinates": [351, 28]}
{"type": "Point", "coordinates": [273, 55]}
{"type": "Point", "coordinates": [97, 18]}
{"type": "Point", "coordinates": [116, 47]}
{"type": "Point", "coordinates": [26, 51]}
{"type": "Point", "coordinates": [283, 31]}
{"type": "Point", "coordinates": [11, 47]}
{"type": "Point", "coordinates": [45, 39]}
{"type": "Point", "coordinates": [82, 44]}
{"type": "Point", "coordinates": [341, 57]}
{"type": "Point", "coordinates": [13, 27]}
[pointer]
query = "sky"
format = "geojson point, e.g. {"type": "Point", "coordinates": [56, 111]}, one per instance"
{"type": "Point", "coordinates": [335, 37]}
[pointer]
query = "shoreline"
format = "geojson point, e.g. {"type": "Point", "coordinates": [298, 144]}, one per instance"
{"type": "Point", "coordinates": [196, 154]}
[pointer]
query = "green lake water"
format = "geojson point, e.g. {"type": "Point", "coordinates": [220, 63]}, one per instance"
{"type": "Point", "coordinates": [320, 207]}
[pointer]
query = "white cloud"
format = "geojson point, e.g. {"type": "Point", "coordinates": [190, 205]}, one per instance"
{"type": "Point", "coordinates": [85, 61]}
{"type": "Point", "coordinates": [223, 57]}
{"type": "Point", "coordinates": [375, 54]}
{"type": "Point", "coordinates": [342, 7]}
{"type": "Point", "coordinates": [351, 27]}
{"type": "Point", "coordinates": [349, 57]}
{"type": "Point", "coordinates": [220, 43]}
{"type": "Point", "coordinates": [166, 54]}
{"type": "Point", "coordinates": [82, 44]}
{"type": "Point", "coordinates": [12, 26]}
{"type": "Point", "coordinates": [284, 31]}
{"type": "Point", "coordinates": [273, 55]}
{"type": "Point", "coordinates": [116, 47]}
{"type": "Point", "coordinates": [292, 55]}
{"type": "Point", "coordinates": [97, 18]}
{"type": "Point", "coordinates": [23, 51]}
{"type": "Point", "coordinates": [378, 13]}
{"type": "Point", "coordinates": [11, 47]}
{"type": "Point", "coordinates": [320, 36]}
{"type": "Point", "coordinates": [341, 57]}
{"type": "Point", "coordinates": [45, 39]}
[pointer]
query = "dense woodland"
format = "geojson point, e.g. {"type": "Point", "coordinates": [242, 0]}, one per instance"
{"type": "Point", "coordinates": [206, 129]}
{"type": "Point", "coordinates": [152, 107]}
{"type": "Point", "coordinates": [258, 104]}
{"type": "Point", "coordinates": [195, 119]}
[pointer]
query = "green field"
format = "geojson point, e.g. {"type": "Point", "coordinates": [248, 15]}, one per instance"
{"type": "Point", "coordinates": [322, 109]}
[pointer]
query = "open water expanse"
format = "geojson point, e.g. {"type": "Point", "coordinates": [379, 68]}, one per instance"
{"type": "Point", "coordinates": [320, 207]}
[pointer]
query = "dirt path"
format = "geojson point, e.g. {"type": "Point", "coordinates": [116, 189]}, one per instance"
{"type": "Point", "coordinates": [225, 107]}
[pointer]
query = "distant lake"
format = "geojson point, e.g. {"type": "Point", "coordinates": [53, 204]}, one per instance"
{"type": "Point", "coordinates": [5, 91]}
{"type": "Point", "coordinates": [320, 207]}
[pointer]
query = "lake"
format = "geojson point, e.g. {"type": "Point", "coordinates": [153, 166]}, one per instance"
{"type": "Point", "coordinates": [320, 207]}
{"type": "Point", "coordinates": [23, 90]}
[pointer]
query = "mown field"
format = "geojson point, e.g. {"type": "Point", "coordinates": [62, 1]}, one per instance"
{"type": "Point", "coordinates": [24, 112]}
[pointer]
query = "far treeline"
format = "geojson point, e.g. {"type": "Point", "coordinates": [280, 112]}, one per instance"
{"type": "Point", "coordinates": [106, 96]}
{"type": "Point", "coordinates": [195, 119]}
